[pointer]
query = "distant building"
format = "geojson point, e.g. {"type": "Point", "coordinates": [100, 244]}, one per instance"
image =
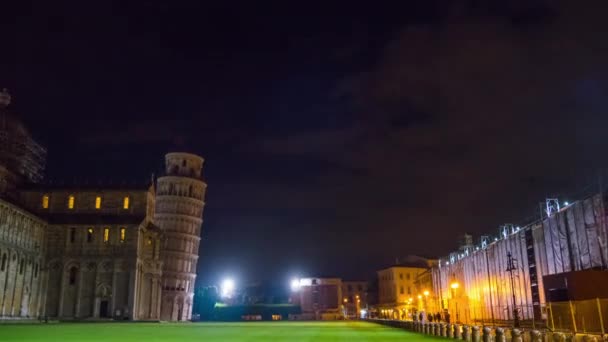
{"type": "Point", "coordinates": [399, 292]}
{"type": "Point", "coordinates": [320, 298]}
{"type": "Point", "coordinates": [92, 250]}
{"type": "Point", "coordinates": [354, 298]}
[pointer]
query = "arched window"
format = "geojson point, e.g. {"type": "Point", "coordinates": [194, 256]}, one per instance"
{"type": "Point", "coordinates": [71, 200]}
{"type": "Point", "coordinates": [190, 191]}
{"type": "Point", "coordinates": [36, 271]}
{"type": "Point", "coordinates": [21, 266]}
{"type": "Point", "coordinates": [73, 274]}
{"type": "Point", "coordinates": [3, 266]}
{"type": "Point", "coordinates": [98, 202]}
{"type": "Point", "coordinates": [184, 162]}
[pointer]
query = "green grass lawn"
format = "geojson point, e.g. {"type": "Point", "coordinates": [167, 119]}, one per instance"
{"type": "Point", "coordinates": [204, 332]}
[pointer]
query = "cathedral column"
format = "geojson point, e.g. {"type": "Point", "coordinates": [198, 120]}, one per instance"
{"type": "Point", "coordinates": [79, 289]}
{"type": "Point", "coordinates": [132, 295]}
{"type": "Point", "coordinates": [114, 291]}
{"type": "Point", "coordinates": [62, 290]}
{"type": "Point", "coordinates": [159, 298]}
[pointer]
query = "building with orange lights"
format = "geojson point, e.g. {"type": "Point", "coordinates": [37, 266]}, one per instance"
{"type": "Point", "coordinates": [400, 293]}
{"type": "Point", "coordinates": [354, 298]}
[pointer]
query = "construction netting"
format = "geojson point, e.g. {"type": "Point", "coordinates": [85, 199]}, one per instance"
{"type": "Point", "coordinates": [501, 278]}
{"type": "Point", "coordinates": [573, 239]}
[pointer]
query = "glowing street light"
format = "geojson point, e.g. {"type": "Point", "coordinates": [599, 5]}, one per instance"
{"type": "Point", "coordinates": [419, 297]}
{"type": "Point", "coordinates": [426, 293]}
{"type": "Point", "coordinates": [295, 285]}
{"type": "Point", "coordinates": [227, 288]}
{"type": "Point", "coordinates": [455, 285]}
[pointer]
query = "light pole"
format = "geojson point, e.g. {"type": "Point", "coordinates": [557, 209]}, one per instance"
{"type": "Point", "coordinates": [426, 302]}
{"type": "Point", "coordinates": [454, 286]}
{"type": "Point", "coordinates": [511, 267]}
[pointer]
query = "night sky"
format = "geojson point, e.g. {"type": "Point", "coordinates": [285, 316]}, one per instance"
{"type": "Point", "coordinates": [337, 137]}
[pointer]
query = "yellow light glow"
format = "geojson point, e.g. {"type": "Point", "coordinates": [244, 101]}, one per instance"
{"type": "Point", "coordinates": [97, 202]}
{"type": "Point", "coordinates": [426, 293]}
{"type": "Point", "coordinates": [357, 296]}
{"type": "Point", "coordinates": [419, 297]}
{"type": "Point", "coordinates": [125, 202]}
{"type": "Point", "coordinates": [71, 202]}
{"type": "Point", "coordinates": [45, 201]}
{"type": "Point", "coordinates": [123, 234]}
{"type": "Point", "coordinates": [455, 285]}
{"type": "Point", "coordinates": [345, 300]}
{"type": "Point", "coordinates": [106, 234]}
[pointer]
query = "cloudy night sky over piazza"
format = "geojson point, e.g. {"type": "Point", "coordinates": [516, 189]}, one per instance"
{"type": "Point", "coordinates": [337, 136]}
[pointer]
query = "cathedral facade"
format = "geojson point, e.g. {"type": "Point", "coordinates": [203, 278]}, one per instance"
{"type": "Point", "coordinates": [92, 251]}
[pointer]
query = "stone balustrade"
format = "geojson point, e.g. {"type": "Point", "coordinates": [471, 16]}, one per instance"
{"type": "Point", "coordinates": [473, 333]}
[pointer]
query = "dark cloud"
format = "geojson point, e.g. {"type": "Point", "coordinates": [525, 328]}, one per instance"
{"type": "Point", "coordinates": [467, 123]}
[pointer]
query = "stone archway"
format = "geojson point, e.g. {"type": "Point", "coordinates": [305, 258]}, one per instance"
{"type": "Point", "coordinates": [103, 301]}
{"type": "Point", "coordinates": [179, 308]}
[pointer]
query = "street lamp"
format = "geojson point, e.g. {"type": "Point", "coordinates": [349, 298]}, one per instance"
{"type": "Point", "coordinates": [227, 288]}
{"type": "Point", "coordinates": [454, 285]}
{"type": "Point", "coordinates": [295, 285]}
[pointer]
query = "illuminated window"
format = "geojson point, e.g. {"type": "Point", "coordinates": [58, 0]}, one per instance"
{"type": "Point", "coordinates": [123, 234]}
{"type": "Point", "coordinates": [106, 235]}
{"type": "Point", "coordinates": [125, 202]}
{"type": "Point", "coordinates": [45, 201]}
{"type": "Point", "coordinates": [90, 235]}
{"type": "Point", "coordinates": [71, 202]}
{"type": "Point", "coordinates": [98, 202]}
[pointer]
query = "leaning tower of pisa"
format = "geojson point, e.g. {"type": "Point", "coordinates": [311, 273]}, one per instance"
{"type": "Point", "coordinates": [180, 197]}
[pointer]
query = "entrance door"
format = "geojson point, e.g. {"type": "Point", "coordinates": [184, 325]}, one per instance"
{"type": "Point", "coordinates": [103, 309]}
{"type": "Point", "coordinates": [179, 313]}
